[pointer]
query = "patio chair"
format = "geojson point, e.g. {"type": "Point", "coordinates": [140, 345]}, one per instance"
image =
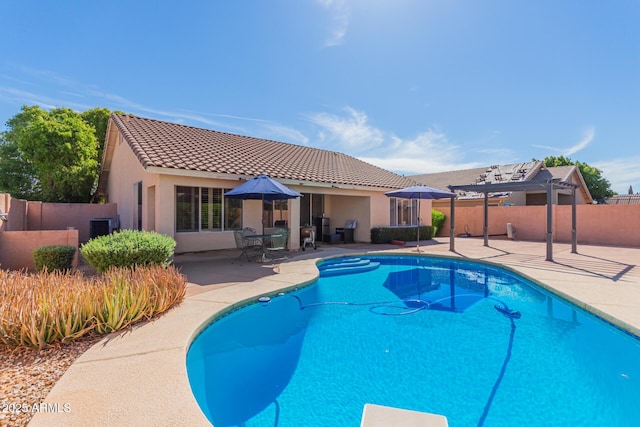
{"type": "Point", "coordinates": [278, 243]}
{"type": "Point", "coordinates": [308, 235]}
{"type": "Point", "coordinates": [249, 246]}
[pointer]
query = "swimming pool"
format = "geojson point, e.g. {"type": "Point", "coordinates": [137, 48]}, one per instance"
{"type": "Point", "coordinates": [473, 342]}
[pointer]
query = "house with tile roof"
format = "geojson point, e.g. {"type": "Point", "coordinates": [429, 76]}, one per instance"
{"type": "Point", "coordinates": [533, 171]}
{"type": "Point", "coordinates": [623, 199]}
{"type": "Point", "coordinates": [172, 179]}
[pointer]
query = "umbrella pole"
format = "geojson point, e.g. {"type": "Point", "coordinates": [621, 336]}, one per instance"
{"type": "Point", "coordinates": [262, 213]}
{"type": "Point", "coordinates": [264, 255]}
{"type": "Point", "coordinates": [418, 242]}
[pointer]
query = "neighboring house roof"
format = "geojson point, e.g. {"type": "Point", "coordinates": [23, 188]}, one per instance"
{"type": "Point", "coordinates": [517, 172]}
{"type": "Point", "coordinates": [165, 145]}
{"type": "Point", "coordinates": [485, 175]}
{"type": "Point", "coordinates": [566, 174]}
{"type": "Point", "coordinates": [623, 199]}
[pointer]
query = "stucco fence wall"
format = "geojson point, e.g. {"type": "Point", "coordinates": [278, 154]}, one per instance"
{"type": "Point", "coordinates": [617, 225]}
{"type": "Point", "coordinates": [60, 216]}
{"type": "Point", "coordinates": [24, 215]}
{"type": "Point", "coordinates": [16, 247]}
{"type": "Point", "coordinates": [30, 225]}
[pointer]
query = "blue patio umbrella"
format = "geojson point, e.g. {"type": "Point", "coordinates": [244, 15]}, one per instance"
{"type": "Point", "coordinates": [420, 192]}
{"type": "Point", "coordinates": [262, 188]}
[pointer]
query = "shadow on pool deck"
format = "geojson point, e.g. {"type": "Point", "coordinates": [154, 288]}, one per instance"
{"type": "Point", "coordinates": [214, 269]}
{"type": "Point", "coordinates": [221, 268]}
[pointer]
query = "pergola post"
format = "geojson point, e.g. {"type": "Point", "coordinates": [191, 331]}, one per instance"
{"type": "Point", "coordinates": [534, 185]}
{"type": "Point", "coordinates": [549, 223]}
{"type": "Point", "coordinates": [574, 234]}
{"type": "Point", "coordinates": [452, 226]}
{"type": "Point", "coordinates": [486, 219]}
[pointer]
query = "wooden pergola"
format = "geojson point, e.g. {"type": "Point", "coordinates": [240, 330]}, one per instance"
{"type": "Point", "coordinates": [548, 185]}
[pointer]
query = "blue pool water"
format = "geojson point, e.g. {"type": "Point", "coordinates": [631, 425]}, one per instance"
{"type": "Point", "coordinates": [473, 342]}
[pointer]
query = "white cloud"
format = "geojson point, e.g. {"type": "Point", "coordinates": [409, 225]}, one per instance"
{"type": "Point", "coordinates": [120, 102]}
{"type": "Point", "coordinates": [351, 132]}
{"type": "Point", "coordinates": [66, 88]}
{"type": "Point", "coordinates": [339, 21]}
{"type": "Point", "coordinates": [427, 153]}
{"type": "Point", "coordinates": [31, 98]}
{"type": "Point", "coordinates": [588, 136]}
{"type": "Point", "coordinates": [418, 166]}
{"type": "Point", "coordinates": [49, 76]}
{"type": "Point", "coordinates": [68, 91]}
{"type": "Point", "coordinates": [621, 173]}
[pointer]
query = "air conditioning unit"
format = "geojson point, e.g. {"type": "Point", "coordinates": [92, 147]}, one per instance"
{"type": "Point", "coordinates": [511, 231]}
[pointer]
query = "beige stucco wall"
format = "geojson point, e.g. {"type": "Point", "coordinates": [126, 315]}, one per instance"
{"type": "Point", "coordinates": [343, 208]}
{"type": "Point", "coordinates": [595, 224]}
{"type": "Point", "coordinates": [125, 171]}
{"type": "Point", "coordinates": [16, 247]}
{"type": "Point", "coordinates": [340, 205]}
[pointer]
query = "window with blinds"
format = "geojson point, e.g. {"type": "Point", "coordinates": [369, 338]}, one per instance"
{"type": "Point", "coordinates": [187, 208]}
{"type": "Point", "coordinates": [206, 209]}
{"type": "Point", "coordinates": [211, 209]}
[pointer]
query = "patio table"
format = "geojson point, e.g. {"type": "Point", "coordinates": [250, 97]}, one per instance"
{"type": "Point", "coordinates": [264, 238]}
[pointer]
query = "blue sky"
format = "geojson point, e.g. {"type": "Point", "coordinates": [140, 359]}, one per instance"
{"type": "Point", "coordinates": [414, 86]}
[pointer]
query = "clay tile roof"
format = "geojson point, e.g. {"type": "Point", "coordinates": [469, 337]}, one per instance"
{"type": "Point", "coordinates": [623, 199]}
{"type": "Point", "coordinates": [170, 145]}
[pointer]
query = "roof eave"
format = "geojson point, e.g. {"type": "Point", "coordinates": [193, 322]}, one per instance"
{"type": "Point", "coordinates": [240, 177]}
{"type": "Point", "coordinates": [107, 157]}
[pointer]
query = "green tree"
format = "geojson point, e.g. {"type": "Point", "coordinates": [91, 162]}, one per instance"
{"type": "Point", "coordinates": [99, 118]}
{"type": "Point", "coordinates": [17, 178]}
{"type": "Point", "coordinates": [598, 186]}
{"type": "Point", "coordinates": [58, 151]}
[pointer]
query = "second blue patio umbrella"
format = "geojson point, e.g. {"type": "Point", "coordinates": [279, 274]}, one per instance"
{"type": "Point", "coordinates": [262, 188]}
{"type": "Point", "coordinates": [420, 192]}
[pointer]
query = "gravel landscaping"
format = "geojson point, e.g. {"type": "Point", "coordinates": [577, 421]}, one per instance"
{"type": "Point", "coordinates": [27, 376]}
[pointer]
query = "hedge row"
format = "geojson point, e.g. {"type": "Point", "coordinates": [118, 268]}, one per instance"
{"type": "Point", "coordinates": [387, 234]}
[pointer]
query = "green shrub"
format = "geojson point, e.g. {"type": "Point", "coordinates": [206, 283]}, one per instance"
{"type": "Point", "coordinates": [54, 257]}
{"type": "Point", "coordinates": [47, 307]}
{"type": "Point", "coordinates": [387, 234]}
{"type": "Point", "coordinates": [437, 219]}
{"type": "Point", "coordinates": [128, 248]}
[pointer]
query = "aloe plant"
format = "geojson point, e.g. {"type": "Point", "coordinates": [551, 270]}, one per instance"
{"type": "Point", "coordinates": [46, 307]}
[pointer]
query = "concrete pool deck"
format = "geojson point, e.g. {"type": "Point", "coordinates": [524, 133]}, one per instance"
{"type": "Point", "coordinates": [138, 377]}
